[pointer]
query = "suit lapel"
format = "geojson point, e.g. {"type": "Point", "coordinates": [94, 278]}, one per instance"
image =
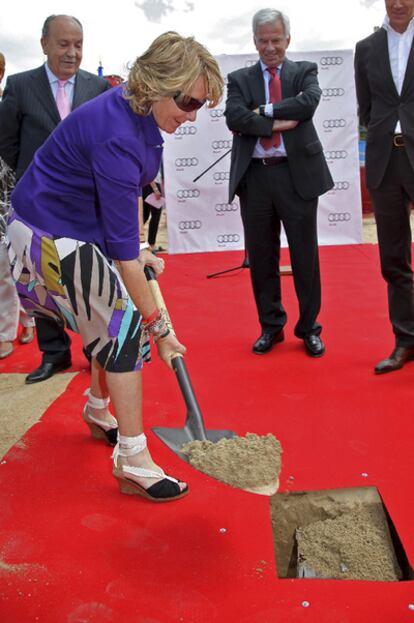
{"type": "Point", "coordinates": [81, 93]}
{"type": "Point", "coordinates": [286, 78]}
{"type": "Point", "coordinates": [257, 85]}
{"type": "Point", "coordinates": [40, 88]}
{"type": "Point", "coordinates": [381, 58]}
{"type": "Point", "coordinates": [409, 73]}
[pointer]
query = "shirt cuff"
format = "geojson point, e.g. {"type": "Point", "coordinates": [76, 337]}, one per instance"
{"type": "Point", "coordinates": [123, 250]}
{"type": "Point", "coordinates": [268, 110]}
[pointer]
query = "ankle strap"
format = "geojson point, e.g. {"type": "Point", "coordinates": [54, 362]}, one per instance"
{"type": "Point", "coordinates": [94, 402]}
{"type": "Point", "coordinates": [129, 446]}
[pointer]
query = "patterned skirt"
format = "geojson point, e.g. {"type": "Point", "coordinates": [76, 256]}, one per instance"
{"type": "Point", "coordinates": [74, 283]}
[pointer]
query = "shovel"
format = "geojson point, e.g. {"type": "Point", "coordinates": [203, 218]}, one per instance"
{"type": "Point", "coordinates": [194, 429]}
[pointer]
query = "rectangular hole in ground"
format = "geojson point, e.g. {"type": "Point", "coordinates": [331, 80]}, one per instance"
{"type": "Point", "coordinates": [338, 534]}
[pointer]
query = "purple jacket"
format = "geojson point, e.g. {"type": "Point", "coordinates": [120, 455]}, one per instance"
{"type": "Point", "coordinates": [85, 180]}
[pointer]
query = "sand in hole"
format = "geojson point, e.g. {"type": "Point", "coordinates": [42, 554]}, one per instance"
{"type": "Point", "coordinates": [252, 463]}
{"type": "Point", "coordinates": [339, 533]}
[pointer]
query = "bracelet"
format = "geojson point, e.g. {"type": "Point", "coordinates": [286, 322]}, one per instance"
{"type": "Point", "coordinates": [160, 337]}
{"type": "Point", "coordinates": [155, 325]}
{"type": "Point", "coordinates": [144, 245]}
{"type": "Point", "coordinates": [151, 317]}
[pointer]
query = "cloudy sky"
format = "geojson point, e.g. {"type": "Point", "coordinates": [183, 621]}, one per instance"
{"type": "Point", "coordinates": [120, 30]}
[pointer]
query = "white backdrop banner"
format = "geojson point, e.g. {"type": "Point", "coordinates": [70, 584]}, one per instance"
{"type": "Point", "coordinates": [199, 217]}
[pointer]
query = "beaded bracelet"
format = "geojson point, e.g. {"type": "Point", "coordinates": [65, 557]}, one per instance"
{"type": "Point", "coordinates": [155, 324]}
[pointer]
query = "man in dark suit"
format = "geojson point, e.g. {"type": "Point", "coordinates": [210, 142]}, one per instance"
{"type": "Point", "coordinates": [28, 114]}
{"type": "Point", "coordinates": [384, 75]}
{"type": "Point", "coordinates": [278, 180]}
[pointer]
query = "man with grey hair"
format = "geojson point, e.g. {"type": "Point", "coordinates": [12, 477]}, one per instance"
{"type": "Point", "coordinates": [33, 103]}
{"type": "Point", "coordinates": [278, 170]}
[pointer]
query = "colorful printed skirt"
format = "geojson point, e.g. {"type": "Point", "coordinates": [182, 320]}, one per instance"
{"type": "Point", "coordinates": [74, 283]}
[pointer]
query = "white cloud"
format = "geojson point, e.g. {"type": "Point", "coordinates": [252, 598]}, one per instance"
{"type": "Point", "coordinates": [117, 32]}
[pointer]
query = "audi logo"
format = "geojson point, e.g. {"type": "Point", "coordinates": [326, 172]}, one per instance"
{"type": "Point", "coordinates": [190, 193]}
{"type": "Point", "coordinates": [331, 60]}
{"type": "Point", "coordinates": [226, 207]}
{"type": "Point", "coordinates": [186, 130]}
{"type": "Point", "coordinates": [339, 217]}
{"type": "Point", "coordinates": [335, 92]}
{"type": "Point", "coordinates": [221, 176]}
{"type": "Point", "coordinates": [341, 186]}
{"type": "Point", "coordinates": [334, 123]}
{"type": "Point", "coordinates": [187, 225]}
{"type": "Point", "coordinates": [223, 238]}
{"type": "Point", "coordinates": [215, 113]}
{"type": "Point", "coordinates": [186, 162]}
{"type": "Point", "coordinates": [339, 154]}
{"type": "Point", "coordinates": [221, 144]}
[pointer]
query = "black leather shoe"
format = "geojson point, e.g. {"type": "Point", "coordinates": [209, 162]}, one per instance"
{"type": "Point", "coordinates": [46, 370]}
{"type": "Point", "coordinates": [314, 345]}
{"type": "Point", "coordinates": [396, 360]}
{"type": "Point", "coordinates": [266, 342]}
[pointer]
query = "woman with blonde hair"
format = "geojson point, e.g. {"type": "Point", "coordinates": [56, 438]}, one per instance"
{"type": "Point", "coordinates": [75, 240]}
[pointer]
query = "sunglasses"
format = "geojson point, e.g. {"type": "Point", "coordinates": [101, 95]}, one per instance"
{"type": "Point", "coordinates": [187, 103]}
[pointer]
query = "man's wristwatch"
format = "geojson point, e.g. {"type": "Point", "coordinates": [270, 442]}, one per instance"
{"type": "Point", "coordinates": [262, 110]}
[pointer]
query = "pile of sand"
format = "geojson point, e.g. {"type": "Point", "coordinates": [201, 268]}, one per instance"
{"type": "Point", "coordinates": [355, 545]}
{"type": "Point", "coordinates": [252, 463]}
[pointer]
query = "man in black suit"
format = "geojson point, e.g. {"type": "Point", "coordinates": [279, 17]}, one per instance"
{"type": "Point", "coordinates": [384, 75]}
{"type": "Point", "coordinates": [28, 114]}
{"type": "Point", "coordinates": [278, 180]}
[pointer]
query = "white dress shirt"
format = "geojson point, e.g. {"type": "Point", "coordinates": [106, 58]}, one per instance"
{"type": "Point", "coordinates": [399, 46]}
{"type": "Point", "coordinates": [53, 81]}
{"type": "Point", "coordinates": [259, 151]}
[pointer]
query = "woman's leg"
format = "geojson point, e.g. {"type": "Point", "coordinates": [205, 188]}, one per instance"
{"type": "Point", "coordinates": [125, 390]}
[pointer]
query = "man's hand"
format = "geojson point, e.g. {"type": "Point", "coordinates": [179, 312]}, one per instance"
{"type": "Point", "coordinates": [281, 125]}
{"type": "Point", "coordinates": [168, 347]}
{"type": "Point", "coordinates": [146, 258]}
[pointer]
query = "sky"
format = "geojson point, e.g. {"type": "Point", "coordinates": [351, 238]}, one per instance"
{"type": "Point", "coordinates": [116, 32]}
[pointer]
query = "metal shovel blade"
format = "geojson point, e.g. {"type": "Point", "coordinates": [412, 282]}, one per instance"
{"type": "Point", "coordinates": [194, 429]}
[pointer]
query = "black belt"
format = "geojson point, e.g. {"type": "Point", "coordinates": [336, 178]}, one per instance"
{"type": "Point", "coordinates": [270, 161]}
{"type": "Point", "coordinates": [398, 140]}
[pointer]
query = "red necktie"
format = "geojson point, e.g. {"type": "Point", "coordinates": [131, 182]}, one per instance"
{"type": "Point", "coordinates": [275, 95]}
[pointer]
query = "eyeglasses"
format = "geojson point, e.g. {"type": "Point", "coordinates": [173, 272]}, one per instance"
{"type": "Point", "coordinates": [187, 103]}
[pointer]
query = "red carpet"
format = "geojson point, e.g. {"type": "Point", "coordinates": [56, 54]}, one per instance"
{"type": "Point", "coordinates": [80, 552]}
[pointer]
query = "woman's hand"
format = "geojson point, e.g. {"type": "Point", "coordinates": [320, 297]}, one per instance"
{"type": "Point", "coordinates": [168, 347]}
{"type": "Point", "coordinates": [146, 258]}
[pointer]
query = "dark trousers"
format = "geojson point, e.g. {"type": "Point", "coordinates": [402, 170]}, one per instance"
{"type": "Point", "coordinates": [267, 199]}
{"type": "Point", "coordinates": [392, 208]}
{"type": "Point", "coordinates": [154, 213]}
{"type": "Point", "coordinates": [53, 341]}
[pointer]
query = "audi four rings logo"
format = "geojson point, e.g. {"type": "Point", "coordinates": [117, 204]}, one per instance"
{"type": "Point", "coordinates": [341, 186]}
{"type": "Point", "coordinates": [331, 60]}
{"type": "Point", "coordinates": [187, 225]}
{"type": "Point", "coordinates": [186, 162]}
{"type": "Point", "coordinates": [334, 123]}
{"type": "Point", "coordinates": [221, 176]}
{"type": "Point", "coordinates": [186, 130]}
{"type": "Point", "coordinates": [340, 154]}
{"type": "Point", "coordinates": [226, 207]}
{"type": "Point", "coordinates": [216, 113]}
{"type": "Point", "coordinates": [190, 193]}
{"type": "Point", "coordinates": [221, 144]}
{"type": "Point", "coordinates": [339, 217]}
{"type": "Point", "coordinates": [336, 92]}
{"type": "Point", "coordinates": [222, 238]}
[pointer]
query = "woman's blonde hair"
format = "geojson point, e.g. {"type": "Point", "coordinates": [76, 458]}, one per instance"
{"type": "Point", "coordinates": [171, 65]}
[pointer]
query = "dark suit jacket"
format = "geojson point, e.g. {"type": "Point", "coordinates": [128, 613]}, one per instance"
{"type": "Point", "coordinates": [28, 113]}
{"type": "Point", "coordinates": [380, 106]}
{"type": "Point", "coordinates": [246, 91]}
